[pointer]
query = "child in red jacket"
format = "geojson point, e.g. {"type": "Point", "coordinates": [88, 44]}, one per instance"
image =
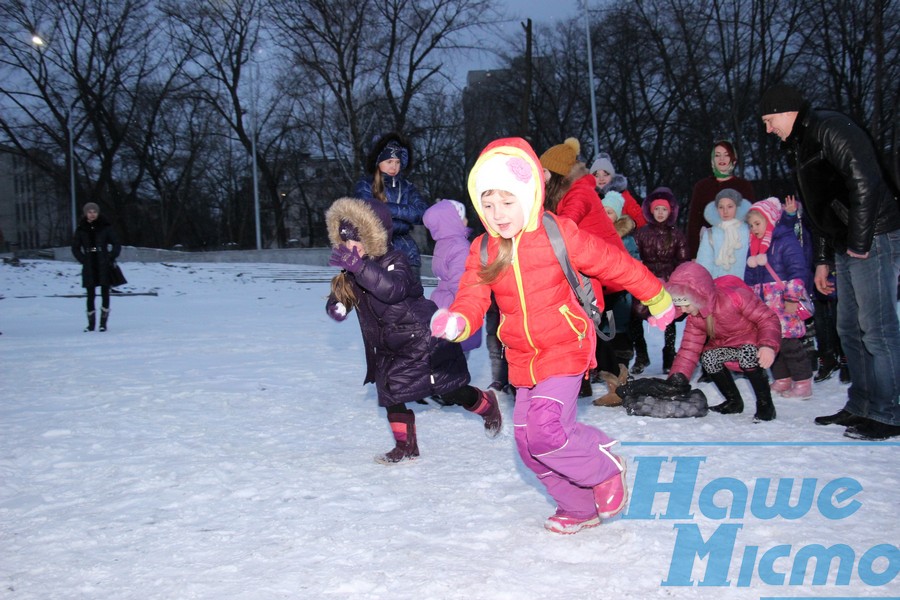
{"type": "Point", "coordinates": [549, 339]}
{"type": "Point", "coordinates": [726, 323]}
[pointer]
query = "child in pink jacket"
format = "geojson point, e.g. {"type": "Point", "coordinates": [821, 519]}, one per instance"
{"type": "Point", "coordinates": [727, 323]}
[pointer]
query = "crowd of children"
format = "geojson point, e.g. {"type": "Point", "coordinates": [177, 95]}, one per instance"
{"type": "Point", "coordinates": [744, 288]}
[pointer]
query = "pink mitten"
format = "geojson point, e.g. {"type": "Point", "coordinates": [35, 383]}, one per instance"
{"type": "Point", "coordinates": [446, 324]}
{"type": "Point", "coordinates": [663, 319]}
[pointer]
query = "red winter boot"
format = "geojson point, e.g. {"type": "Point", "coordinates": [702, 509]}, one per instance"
{"type": "Point", "coordinates": [489, 409]}
{"type": "Point", "coordinates": [403, 426]}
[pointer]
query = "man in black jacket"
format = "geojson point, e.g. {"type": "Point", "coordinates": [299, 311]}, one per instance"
{"type": "Point", "coordinates": [854, 208]}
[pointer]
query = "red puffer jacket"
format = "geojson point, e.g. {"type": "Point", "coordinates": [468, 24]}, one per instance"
{"type": "Point", "coordinates": [739, 316]}
{"type": "Point", "coordinates": [543, 327]}
{"type": "Point", "coordinates": [583, 206]}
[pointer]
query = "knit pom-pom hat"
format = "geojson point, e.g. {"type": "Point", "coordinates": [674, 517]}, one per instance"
{"type": "Point", "coordinates": [770, 210]}
{"type": "Point", "coordinates": [561, 158]}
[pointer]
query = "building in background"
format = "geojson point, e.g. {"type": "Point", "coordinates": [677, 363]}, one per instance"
{"type": "Point", "coordinates": [34, 210]}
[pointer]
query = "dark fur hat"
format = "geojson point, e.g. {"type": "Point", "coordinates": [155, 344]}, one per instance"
{"type": "Point", "coordinates": [378, 146]}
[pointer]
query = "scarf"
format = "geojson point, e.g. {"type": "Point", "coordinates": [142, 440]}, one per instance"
{"type": "Point", "coordinates": [725, 258]}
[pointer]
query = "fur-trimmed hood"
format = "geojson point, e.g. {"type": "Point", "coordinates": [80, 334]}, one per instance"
{"type": "Point", "coordinates": [371, 218]}
{"type": "Point", "coordinates": [618, 183]}
{"type": "Point", "coordinates": [624, 225]}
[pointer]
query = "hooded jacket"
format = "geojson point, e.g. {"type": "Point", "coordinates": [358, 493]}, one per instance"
{"type": "Point", "coordinates": [704, 192]}
{"type": "Point", "coordinates": [662, 245]}
{"type": "Point", "coordinates": [739, 316]}
{"type": "Point", "coordinates": [95, 245]}
{"type": "Point", "coordinates": [451, 247]}
{"type": "Point", "coordinates": [712, 239]}
{"type": "Point", "coordinates": [847, 195]}
{"type": "Point", "coordinates": [402, 358]}
{"type": "Point", "coordinates": [403, 198]}
{"type": "Point", "coordinates": [545, 331]}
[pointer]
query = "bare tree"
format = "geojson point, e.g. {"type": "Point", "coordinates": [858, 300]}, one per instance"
{"type": "Point", "coordinates": [371, 61]}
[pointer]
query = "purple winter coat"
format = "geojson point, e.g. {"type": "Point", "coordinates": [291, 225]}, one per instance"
{"type": "Point", "coordinates": [451, 248]}
{"type": "Point", "coordinates": [662, 246]}
{"type": "Point", "coordinates": [403, 360]}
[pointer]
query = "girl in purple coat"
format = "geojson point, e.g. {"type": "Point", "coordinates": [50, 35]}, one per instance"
{"type": "Point", "coordinates": [727, 323]}
{"type": "Point", "coordinates": [403, 360]}
{"type": "Point", "coordinates": [447, 223]}
{"type": "Point", "coordinates": [776, 270]}
{"type": "Point", "coordinates": [662, 247]}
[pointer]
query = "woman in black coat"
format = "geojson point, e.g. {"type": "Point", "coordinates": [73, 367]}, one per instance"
{"type": "Point", "coordinates": [403, 360]}
{"type": "Point", "coordinates": [96, 247]}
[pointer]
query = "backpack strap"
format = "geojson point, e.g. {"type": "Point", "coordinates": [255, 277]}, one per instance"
{"type": "Point", "coordinates": [584, 292]}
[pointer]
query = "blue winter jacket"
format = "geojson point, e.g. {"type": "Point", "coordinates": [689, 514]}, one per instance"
{"type": "Point", "coordinates": [407, 207]}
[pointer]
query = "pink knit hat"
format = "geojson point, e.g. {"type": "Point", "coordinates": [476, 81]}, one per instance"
{"type": "Point", "coordinates": [770, 209]}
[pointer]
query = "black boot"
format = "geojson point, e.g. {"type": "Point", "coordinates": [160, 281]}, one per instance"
{"type": "Point", "coordinates": [733, 402]}
{"type": "Point", "coordinates": [668, 354]}
{"type": "Point", "coordinates": [759, 381]}
{"type": "Point", "coordinates": [641, 358]}
{"type": "Point", "coordinates": [828, 364]}
{"type": "Point", "coordinates": [586, 391]}
{"type": "Point", "coordinates": [92, 320]}
{"type": "Point", "coordinates": [104, 315]}
{"type": "Point", "coordinates": [844, 371]}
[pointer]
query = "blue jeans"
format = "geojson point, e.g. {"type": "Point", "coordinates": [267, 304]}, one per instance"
{"type": "Point", "coordinates": [869, 329]}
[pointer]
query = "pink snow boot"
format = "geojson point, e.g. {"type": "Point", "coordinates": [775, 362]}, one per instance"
{"type": "Point", "coordinates": [801, 390]}
{"type": "Point", "coordinates": [611, 495]}
{"type": "Point", "coordinates": [568, 524]}
{"type": "Point", "coordinates": [781, 385]}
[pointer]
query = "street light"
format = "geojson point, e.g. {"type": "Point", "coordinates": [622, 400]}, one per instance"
{"type": "Point", "coordinates": [39, 43]}
{"type": "Point", "coordinates": [587, 31]}
{"type": "Point", "coordinates": [253, 94]}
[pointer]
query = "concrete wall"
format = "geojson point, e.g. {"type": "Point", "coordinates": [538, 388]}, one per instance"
{"type": "Point", "coordinates": [315, 257]}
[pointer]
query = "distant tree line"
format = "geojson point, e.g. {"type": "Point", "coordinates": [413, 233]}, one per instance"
{"type": "Point", "coordinates": [167, 101]}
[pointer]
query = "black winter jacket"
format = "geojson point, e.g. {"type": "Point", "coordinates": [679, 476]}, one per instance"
{"type": "Point", "coordinates": [847, 195]}
{"type": "Point", "coordinates": [95, 245]}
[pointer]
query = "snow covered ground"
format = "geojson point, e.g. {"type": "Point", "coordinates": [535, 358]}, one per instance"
{"type": "Point", "coordinates": [217, 443]}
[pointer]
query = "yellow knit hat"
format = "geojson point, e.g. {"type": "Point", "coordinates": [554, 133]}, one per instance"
{"type": "Point", "coordinates": [561, 158]}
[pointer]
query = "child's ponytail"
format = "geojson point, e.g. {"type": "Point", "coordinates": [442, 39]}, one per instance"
{"type": "Point", "coordinates": [342, 290]}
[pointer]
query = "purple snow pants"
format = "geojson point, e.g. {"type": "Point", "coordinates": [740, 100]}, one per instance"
{"type": "Point", "coordinates": [569, 458]}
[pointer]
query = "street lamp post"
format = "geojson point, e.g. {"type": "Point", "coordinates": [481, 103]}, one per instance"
{"type": "Point", "coordinates": [70, 131]}
{"type": "Point", "coordinates": [39, 43]}
{"type": "Point", "coordinates": [253, 94]}
{"type": "Point", "coordinates": [587, 31]}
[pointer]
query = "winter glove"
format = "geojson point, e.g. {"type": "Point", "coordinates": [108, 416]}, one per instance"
{"type": "Point", "coordinates": [766, 356]}
{"type": "Point", "coordinates": [347, 259]}
{"type": "Point", "coordinates": [336, 310]}
{"type": "Point", "coordinates": [661, 309]}
{"type": "Point", "coordinates": [447, 325]}
{"type": "Point", "coordinates": [662, 320]}
{"type": "Point", "coordinates": [679, 383]}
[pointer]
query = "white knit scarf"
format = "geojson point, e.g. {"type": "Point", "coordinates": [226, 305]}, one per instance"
{"type": "Point", "coordinates": [725, 258]}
